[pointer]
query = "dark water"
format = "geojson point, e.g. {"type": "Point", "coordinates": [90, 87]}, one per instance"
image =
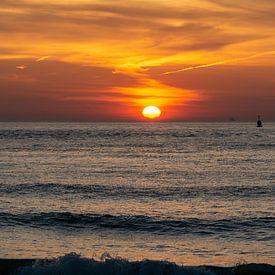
{"type": "Point", "coordinates": [191, 193]}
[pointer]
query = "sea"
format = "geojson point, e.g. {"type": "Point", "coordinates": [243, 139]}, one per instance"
{"type": "Point", "coordinates": [189, 193]}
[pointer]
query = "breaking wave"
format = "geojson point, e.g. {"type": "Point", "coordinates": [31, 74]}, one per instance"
{"type": "Point", "coordinates": [74, 264]}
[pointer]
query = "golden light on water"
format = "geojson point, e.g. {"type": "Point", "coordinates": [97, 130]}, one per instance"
{"type": "Point", "coordinates": [151, 112]}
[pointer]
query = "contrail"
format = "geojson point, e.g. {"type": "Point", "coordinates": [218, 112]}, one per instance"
{"type": "Point", "coordinates": [217, 63]}
{"type": "Point", "coordinates": [42, 58]}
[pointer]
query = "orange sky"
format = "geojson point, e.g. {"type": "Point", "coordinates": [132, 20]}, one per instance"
{"type": "Point", "coordinates": [98, 60]}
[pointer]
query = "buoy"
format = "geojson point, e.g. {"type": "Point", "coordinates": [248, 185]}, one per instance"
{"type": "Point", "coordinates": [259, 122]}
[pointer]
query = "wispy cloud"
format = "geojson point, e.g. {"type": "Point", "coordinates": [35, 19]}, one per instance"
{"type": "Point", "coordinates": [218, 63]}
{"type": "Point", "coordinates": [42, 58]}
{"type": "Point", "coordinates": [21, 67]}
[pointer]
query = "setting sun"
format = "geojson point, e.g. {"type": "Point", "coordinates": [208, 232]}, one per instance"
{"type": "Point", "coordinates": [151, 112]}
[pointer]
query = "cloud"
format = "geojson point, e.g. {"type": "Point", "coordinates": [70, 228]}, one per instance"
{"type": "Point", "coordinates": [89, 22]}
{"type": "Point", "coordinates": [21, 67]}
{"type": "Point", "coordinates": [42, 58]}
{"type": "Point", "coordinates": [52, 84]}
{"type": "Point", "coordinates": [222, 62]}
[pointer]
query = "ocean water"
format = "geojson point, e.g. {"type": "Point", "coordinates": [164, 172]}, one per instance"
{"type": "Point", "coordinates": [190, 193]}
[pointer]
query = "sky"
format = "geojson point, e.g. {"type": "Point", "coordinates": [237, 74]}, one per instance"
{"type": "Point", "coordinates": [98, 60]}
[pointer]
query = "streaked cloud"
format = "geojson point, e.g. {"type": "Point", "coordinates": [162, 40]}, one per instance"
{"type": "Point", "coordinates": [42, 58]}
{"type": "Point", "coordinates": [218, 63]}
{"type": "Point", "coordinates": [21, 67]}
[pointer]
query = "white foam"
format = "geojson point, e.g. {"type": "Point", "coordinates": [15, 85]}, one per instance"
{"type": "Point", "coordinates": [73, 264]}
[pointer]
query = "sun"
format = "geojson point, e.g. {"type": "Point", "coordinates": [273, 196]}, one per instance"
{"type": "Point", "coordinates": [151, 112]}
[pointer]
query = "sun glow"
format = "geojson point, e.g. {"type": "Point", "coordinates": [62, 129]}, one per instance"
{"type": "Point", "coordinates": [151, 112]}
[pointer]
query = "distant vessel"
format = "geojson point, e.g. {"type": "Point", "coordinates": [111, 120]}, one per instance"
{"type": "Point", "coordinates": [259, 122]}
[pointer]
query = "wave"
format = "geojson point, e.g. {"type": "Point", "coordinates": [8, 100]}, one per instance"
{"type": "Point", "coordinates": [124, 131]}
{"type": "Point", "coordinates": [168, 193]}
{"type": "Point", "coordinates": [170, 140]}
{"type": "Point", "coordinates": [72, 264]}
{"type": "Point", "coordinates": [244, 228]}
{"type": "Point", "coordinates": [91, 133]}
